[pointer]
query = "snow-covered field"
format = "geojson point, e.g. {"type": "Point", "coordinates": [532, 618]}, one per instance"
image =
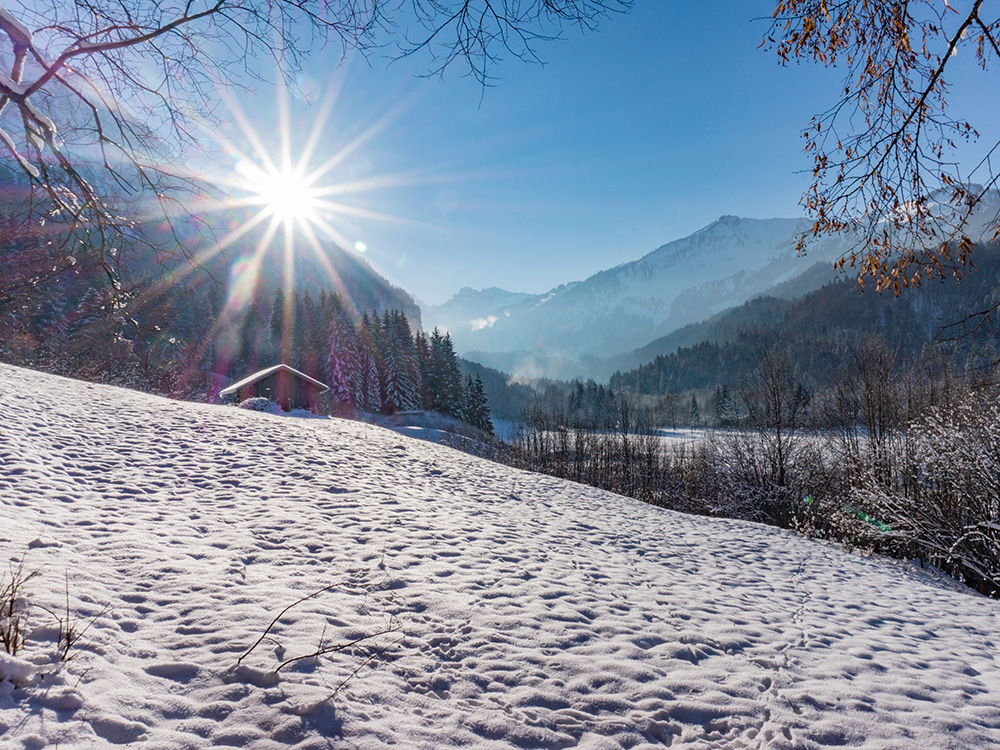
{"type": "Point", "coordinates": [531, 612]}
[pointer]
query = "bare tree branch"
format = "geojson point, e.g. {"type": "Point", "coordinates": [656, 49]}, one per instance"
{"type": "Point", "coordinates": [883, 156]}
{"type": "Point", "coordinates": [98, 97]}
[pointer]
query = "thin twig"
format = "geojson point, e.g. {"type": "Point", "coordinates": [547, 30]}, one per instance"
{"type": "Point", "coordinates": [281, 614]}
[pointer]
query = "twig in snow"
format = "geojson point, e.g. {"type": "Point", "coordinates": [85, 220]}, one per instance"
{"type": "Point", "coordinates": [281, 614]}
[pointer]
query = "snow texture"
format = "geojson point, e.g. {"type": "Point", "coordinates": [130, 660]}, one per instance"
{"type": "Point", "coordinates": [8, 142]}
{"type": "Point", "coordinates": [14, 672]}
{"type": "Point", "coordinates": [10, 24]}
{"type": "Point", "coordinates": [533, 612]}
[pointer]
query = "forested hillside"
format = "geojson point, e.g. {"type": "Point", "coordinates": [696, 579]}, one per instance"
{"type": "Point", "coordinates": [191, 345]}
{"type": "Point", "coordinates": [818, 329]}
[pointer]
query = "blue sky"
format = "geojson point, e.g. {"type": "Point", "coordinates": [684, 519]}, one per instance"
{"type": "Point", "coordinates": [626, 138]}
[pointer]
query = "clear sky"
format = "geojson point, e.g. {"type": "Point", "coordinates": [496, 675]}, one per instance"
{"type": "Point", "coordinates": [626, 138]}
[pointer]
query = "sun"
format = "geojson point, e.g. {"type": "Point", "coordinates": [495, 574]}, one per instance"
{"type": "Point", "coordinates": [285, 194]}
{"type": "Point", "coordinates": [289, 198]}
{"type": "Point", "coordinates": [289, 195]}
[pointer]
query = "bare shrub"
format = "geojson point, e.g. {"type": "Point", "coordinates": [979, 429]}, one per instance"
{"type": "Point", "coordinates": [362, 645]}
{"type": "Point", "coordinates": [71, 628]}
{"type": "Point", "coordinates": [944, 506]}
{"type": "Point", "coordinates": [775, 403]}
{"type": "Point", "coordinates": [14, 608]}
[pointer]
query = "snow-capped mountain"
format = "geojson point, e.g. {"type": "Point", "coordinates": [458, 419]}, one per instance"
{"type": "Point", "coordinates": [622, 308]}
{"type": "Point", "coordinates": [564, 332]}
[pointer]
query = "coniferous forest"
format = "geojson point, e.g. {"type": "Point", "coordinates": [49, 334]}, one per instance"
{"type": "Point", "coordinates": [192, 345]}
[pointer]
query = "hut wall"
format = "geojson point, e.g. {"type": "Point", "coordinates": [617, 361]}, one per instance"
{"type": "Point", "coordinates": [286, 390]}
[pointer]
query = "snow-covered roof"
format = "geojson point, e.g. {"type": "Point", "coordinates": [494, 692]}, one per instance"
{"type": "Point", "coordinates": [250, 379]}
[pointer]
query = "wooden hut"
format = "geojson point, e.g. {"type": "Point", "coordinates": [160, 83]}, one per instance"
{"type": "Point", "coordinates": [285, 386]}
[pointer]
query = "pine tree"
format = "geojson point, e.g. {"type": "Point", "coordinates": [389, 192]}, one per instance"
{"type": "Point", "coordinates": [392, 366]}
{"type": "Point", "coordinates": [340, 358]}
{"type": "Point", "coordinates": [423, 352]}
{"type": "Point", "coordinates": [452, 380]}
{"type": "Point", "coordinates": [277, 324]}
{"type": "Point", "coordinates": [371, 367]}
{"type": "Point", "coordinates": [467, 398]}
{"type": "Point", "coordinates": [372, 380]}
{"type": "Point", "coordinates": [723, 406]}
{"type": "Point", "coordinates": [446, 377]}
{"type": "Point", "coordinates": [402, 372]}
{"type": "Point", "coordinates": [313, 336]}
{"type": "Point", "coordinates": [477, 408]}
{"type": "Point", "coordinates": [434, 373]}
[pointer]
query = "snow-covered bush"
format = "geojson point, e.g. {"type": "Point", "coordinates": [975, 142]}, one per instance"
{"type": "Point", "coordinates": [259, 403]}
{"type": "Point", "coordinates": [944, 506]}
{"type": "Point", "coordinates": [736, 478]}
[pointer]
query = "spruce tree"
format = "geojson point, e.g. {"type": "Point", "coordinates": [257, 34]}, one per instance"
{"type": "Point", "coordinates": [435, 372]}
{"type": "Point", "coordinates": [371, 364]}
{"type": "Point", "coordinates": [452, 380]}
{"type": "Point", "coordinates": [477, 407]}
{"type": "Point", "coordinates": [277, 324]}
{"type": "Point", "coordinates": [392, 377]}
{"type": "Point", "coordinates": [423, 352]}
{"type": "Point", "coordinates": [723, 406]}
{"type": "Point", "coordinates": [340, 359]}
{"type": "Point", "coordinates": [447, 377]}
{"type": "Point", "coordinates": [405, 354]}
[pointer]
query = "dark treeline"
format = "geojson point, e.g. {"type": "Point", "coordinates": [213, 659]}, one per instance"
{"type": "Point", "coordinates": [190, 345]}
{"type": "Point", "coordinates": [507, 396]}
{"type": "Point", "coordinates": [817, 330]}
{"type": "Point", "coordinates": [588, 405]}
{"type": "Point", "coordinates": [585, 403]}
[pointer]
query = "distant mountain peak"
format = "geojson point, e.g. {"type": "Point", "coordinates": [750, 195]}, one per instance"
{"type": "Point", "coordinates": [729, 219]}
{"type": "Point", "coordinates": [468, 293]}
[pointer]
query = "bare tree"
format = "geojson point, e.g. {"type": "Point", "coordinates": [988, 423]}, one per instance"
{"type": "Point", "coordinates": [98, 97]}
{"type": "Point", "coordinates": [776, 403]}
{"type": "Point", "coordinates": [884, 163]}
{"type": "Point", "coordinates": [868, 401]}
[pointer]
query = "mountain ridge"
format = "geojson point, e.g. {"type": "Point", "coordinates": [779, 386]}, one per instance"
{"type": "Point", "coordinates": [585, 328]}
{"type": "Point", "coordinates": [620, 309]}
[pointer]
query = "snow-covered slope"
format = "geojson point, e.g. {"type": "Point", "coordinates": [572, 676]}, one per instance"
{"type": "Point", "coordinates": [531, 612]}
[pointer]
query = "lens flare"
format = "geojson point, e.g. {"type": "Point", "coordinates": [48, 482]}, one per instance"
{"type": "Point", "coordinates": [286, 198]}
